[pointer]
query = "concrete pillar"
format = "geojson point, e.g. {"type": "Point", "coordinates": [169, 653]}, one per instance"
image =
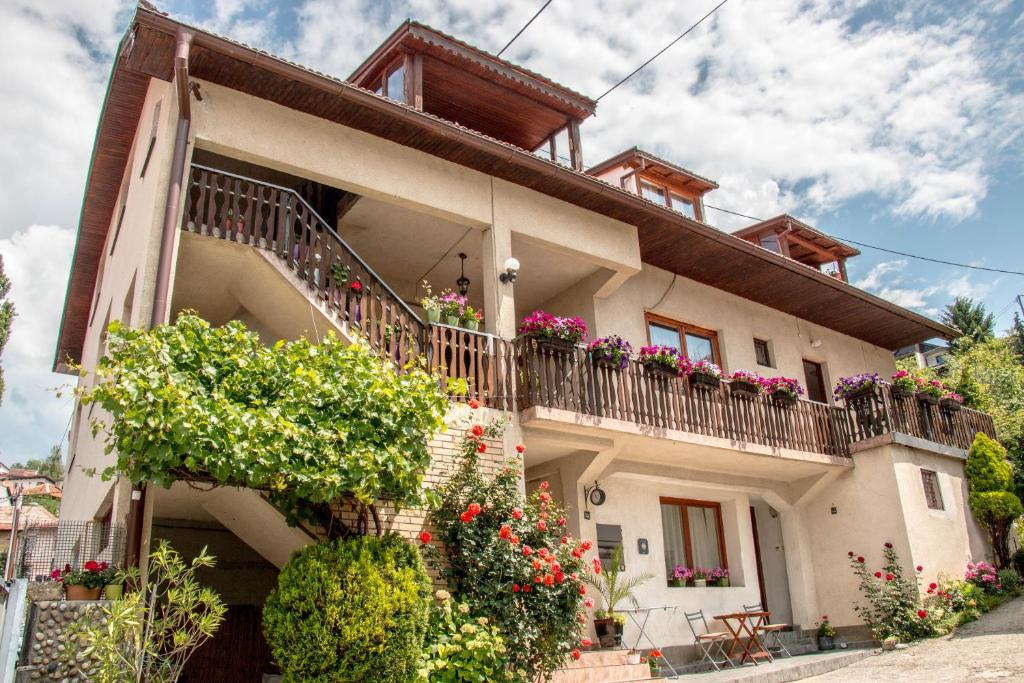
{"type": "Point", "coordinates": [499, 298]}
{"type": "Point", "coordinates": [803, 590]}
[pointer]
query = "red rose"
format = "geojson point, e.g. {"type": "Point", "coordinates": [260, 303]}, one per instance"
{"type": "Point", "coordinates": [537, 579]}
{"type": "Point", "coordinates": [55, 575]}
{"type": "Point", "coordinates": [585, 544]}
{"type": "Point", "coordinates": [478, 430]}
{"type": "Point", "coordinates": [888, 577]}
{"type": "Point", "coordinates": [921, 613]}
{"type": "Point", "coordinates": [565, 540]}
{"type": "Point", "coordinates": [481, 447]}
{"type": "Point", "coordinates": [583, 590]}
{"type": "Point", "coordinates": [527, 550]}
{"type": "Point", "coordinates": [549, 580]}
{"type": "Point", "coordinates": [425, 537]}
{"type": "Point", "coordinates": [860, 560]}
{"type": "Point", "coordinates": [466, 517]}
{"type": "Point", "coordinates": [933, 585]}
{"type": "Point", "coordinates": [824, 617]}
{"type": "Point", "coordinates": [515, 587]}
{"type": "Point", "coordinates": [589, 602]}
{"type": "Point", "coordinates": [919, 568]}
{"type": "Point", "coordinates": [356, 286]}
{"type": "Point", "coordinates": [850, 553]}
{"type": "Point", "coordinates": [526, 588]}
{"type": "Point", "coordinates": [597, 565]}
{"type": "Point", "coordinates": [514, 539]}
{"type": "Point", "coordinates": [474, 404]}
{"type": "Point", "coordinates": [576, 654]}
{"type": "Point", "coordinates": [505, 533]}
{"type": "Point", "coordinates": [581, 617]}
{"type": "Point", "coordinates": [104, 565]}
{"type": "Point", "coordinates": [473, 509]}
{"type": "Point", "coordinates": [561, 521]}
{"type": "Point", "coordinates": [878, 575]}
{"type": "Point", "coordinates": [517, 513]}
{"type": "Point", "coordinates": [520, 448]}
{"type": "Point", "coordinates": [559, 577]}
{"type": "Point", "coordinates": [542, 525]}
{"type": "Point", "coordinates": [586, 642]}
{"type": "Point", "coordinates": [544, 486]}
{"type": "Point", "coordinates": [888, 545]}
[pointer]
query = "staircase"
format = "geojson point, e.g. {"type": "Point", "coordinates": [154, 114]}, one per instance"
{"type": "Point", "coordinates": [602, 666]}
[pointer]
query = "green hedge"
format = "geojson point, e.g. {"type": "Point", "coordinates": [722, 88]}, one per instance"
{"type": "Point", "coordinates": [352, 610]}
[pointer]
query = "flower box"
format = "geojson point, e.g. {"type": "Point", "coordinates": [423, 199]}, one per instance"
{"type": "Point", "coordinates": [659, 370]}
{"type": "Point", "coordinates": [77, 592]}
{"type": "Point", "coordinates": [705, 382]}
{"type": "Point", "coordinates": [901, 392]}
{"type": "Point", "coordinates": [610, 352]}
{"type": "Point", "coordinates": [783, 399]}
{"type": "Point", "coordinates": [552, 345]}
{"type": "Point", "coordinates": [744, 389]}
{"type": "Point", "coordinates": [950, 404]}
{"type": "Point", "coordinates": [862, 393]}
{"type": "Point", "coordinates": [928, 398]}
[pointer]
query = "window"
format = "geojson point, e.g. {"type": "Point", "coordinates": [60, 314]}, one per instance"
{"type": "Point", "coordinates": [696, 343]}
{"type": "Point", "coordinates": [692, 530]}
{"type": "Point", "coordinates": [762, 354]}
{"type": "Point", "coordinates": [814, 378]}
{"type": "Point", "coordinates": [652, 193]}
{"type": "Point", "coordinates": [771, 243]}
{"type": "Point", "coordinates": [396, 83]}
{"type": "Point", "coordinates": [609, 537]}
{"type": "Point", "coordinates": [932, 494]}
{"type": "Point", "coordinates": [683, 205]}
{"type": "Point", "coordinates": [152, 137]}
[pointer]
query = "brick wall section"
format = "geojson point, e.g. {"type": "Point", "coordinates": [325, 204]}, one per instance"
{"type": "Point", "coordinates": [445, 460]}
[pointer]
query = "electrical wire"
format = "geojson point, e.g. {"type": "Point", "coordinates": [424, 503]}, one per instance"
{"type": "Point", "coordinates": [525, 26]}
{"type": "Point", "coordinates": [888, 251]}
{"type": "Point", "coordinates": [661, 51]}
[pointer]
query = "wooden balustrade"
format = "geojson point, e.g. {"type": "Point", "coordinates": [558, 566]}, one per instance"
{"type": "Point", "coordinates": [570, 381]}
{"type": "Point", "coordinates": [885, 411]}
{"type": "Point", "coordinates": [485, 362]}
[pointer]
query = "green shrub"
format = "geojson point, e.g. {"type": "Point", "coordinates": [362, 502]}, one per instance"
{"type": "Point", "coordinates": [1018, 560]}
{"type": "Point", "coordinates": [463, 647]}
{"type": "Point", "coordinates": [352, 610]}
{"type": "Point", "coordinates": [1009, 580]}
{"type": "Point", "coordinates": [892, 607]}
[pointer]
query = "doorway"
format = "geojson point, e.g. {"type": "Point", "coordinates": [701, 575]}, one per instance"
{"type": "Point", "coordinates": [770, 553]}
{"type": "Point", "coordinates": [814, 378]}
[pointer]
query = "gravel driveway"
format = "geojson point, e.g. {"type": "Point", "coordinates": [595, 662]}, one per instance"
{"type": "Point", "coordinates": [990, 649]}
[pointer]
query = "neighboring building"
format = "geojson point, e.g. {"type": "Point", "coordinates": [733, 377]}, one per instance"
{"type": "Point", "coordinates": [435, 151]}
{"type": "Point", "coordinates": [926, 354]}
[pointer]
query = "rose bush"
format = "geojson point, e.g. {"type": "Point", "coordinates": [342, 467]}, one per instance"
{"type": "Point", "coordinates": [893, 608]}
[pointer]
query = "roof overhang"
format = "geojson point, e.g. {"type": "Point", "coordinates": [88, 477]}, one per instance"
{"type": "Point", "coordinates": [645, 161]}
{"type": "Point", "coordinates": [667, 239]}
{"type": "Point", "coordinates": [785, 222]}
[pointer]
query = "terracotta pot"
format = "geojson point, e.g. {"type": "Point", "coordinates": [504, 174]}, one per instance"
{"type": "Point", "coordinates": [82, 593]}
{"type": "Point", "coordinates": [113, 591]}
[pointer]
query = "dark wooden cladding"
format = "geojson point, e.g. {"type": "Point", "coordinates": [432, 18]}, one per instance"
{"type": "Point", "coordinates": [570, 381]}
{"type": "Point", "coordinates": [238, 209]}
{"type": "Point", "coordinates": [885, 412]}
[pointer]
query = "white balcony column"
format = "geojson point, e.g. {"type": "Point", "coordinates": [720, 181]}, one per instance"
{"type": "Point", "coordinates": [499, 297]}
{"type": "Point", "coordinates": [803, 590]}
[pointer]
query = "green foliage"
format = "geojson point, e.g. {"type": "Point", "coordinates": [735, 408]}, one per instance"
{"type": "Point", "coordinates": [970, 319]}
{"type": "Point", "coordinates": [988, 505]}
{"type": "Point", "coordinates": [353, 610]}
{"type": "Point", "coordinates": [1009, 579]}
{"type": "Point", "coordinates": [996, 384]}
{"type": "Point", "coordinates": [1018, 560]}
{"type": "Point", "coordinates": [892, 608]}
{"type": "Point", "coordinates": [150, 635]}
{"type": "Point", "coordinates": [613, 587]}
{"type": "Point", "coordinates": [463, 647]}
{"type": "Point", "coordinates": [989, 476]}
{"type": "Point", "coordinates": [6, 318]}
{"type": "Point", "coordinates": [309, 423]}
{"type": "Point", "coordinates": [48, 503]}
{"type": "Point", "coordinates": [51, 466]}
{"type": "Point", "coordinates": [987, 468]}
{"type": "Point", "coordinates": [509, 558]}
{"type": "Point", "coordinates": [1017, 337]}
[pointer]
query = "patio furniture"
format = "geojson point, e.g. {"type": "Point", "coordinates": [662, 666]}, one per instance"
{"type": "Point", "coordinates": [710, 644]}
{"type": "Point", "coordinates": [772, 632]}
{"type": "Point", "coordinates": [745, 635]}
{"type": "Point", "coordinates": [634, 615]}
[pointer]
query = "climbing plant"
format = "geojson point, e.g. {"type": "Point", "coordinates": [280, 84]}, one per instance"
{"type": "Point", "coordinates": [309, 423]}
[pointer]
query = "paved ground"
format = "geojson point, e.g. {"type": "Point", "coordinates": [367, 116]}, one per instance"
{"type": "Point", "coordinates": [990, 649]}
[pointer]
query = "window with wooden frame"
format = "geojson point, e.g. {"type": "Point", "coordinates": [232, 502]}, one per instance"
{"type": "Point", "coordinates": [652, 190]}
{"type": "Point", "coordinates": [391, 82]}
{"type": "Point", "coordinates": [932, 493]}
{"type": "Point", "coordinates": [762, 354]}
{"type": "Point", "coordinates": [696, 343]}
{"type": "Point", "coordinates": [693, 534]}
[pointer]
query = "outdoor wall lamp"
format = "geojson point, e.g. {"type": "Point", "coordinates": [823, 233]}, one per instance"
{"type": "Point", "coordinates": [511, 271]}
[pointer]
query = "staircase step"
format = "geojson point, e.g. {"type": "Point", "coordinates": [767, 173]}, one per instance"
{"type": "Point", "coordinates": [610, 673]}
{"type": "Point", "coordinates": [592, 658]}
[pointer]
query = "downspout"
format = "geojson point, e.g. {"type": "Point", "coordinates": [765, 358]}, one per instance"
{"type": "Point", "coordinates": [136, 507]}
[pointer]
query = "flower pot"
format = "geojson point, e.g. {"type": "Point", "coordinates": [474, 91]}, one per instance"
{"type": "Point", "coordinates": [604, 362]}
{"type": "Point", "coordinates": [784, 400]}
{"type": "Point", "coordinates": [433, 315]}
{"type": "Point", "coordinates": [676, 583]}
{"type": "Point", "coordinates": [867, 392]}
{"type": "Point", "coordinates": [723, 582]}
{"type": "Point", "coordinates": [81, 593]}
{"type": "Point", "coordinates": [472, 325]}
{"type": "Point", "coordinates": [901, 392]}
{"type": "Point", "coordinates": [113, 591]}
{"type": "Point", "coordinates": [826, 643]}
{"type": "Point", "coordinates": [927, 399]}
{"type": "Point", "coordinates": [605, 632]}
{"type": "Point", "coordinates": [553, 345]}
{"type": "Point", "coordinates": [950, 405]}
{"type": "Point", "coordinates": [659, 370]}
{"type": "Point", "coordinates": [700, 583]}
{"type": "Point", "coordinates": [632, 657]}
{"type": "Point", "coordinates": [451, 320]}
{"type": "Point", "coordinates": [743, 389]}
{"type": "Point", "coordinates": [704, 382]}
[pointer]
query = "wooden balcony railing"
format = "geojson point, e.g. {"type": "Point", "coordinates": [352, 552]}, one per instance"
{"type": "Point", "coordinates": [570, 381]}
{"type": "Point", "coordinates": [239, 209]}
{"type": "Point", "coordinates": [486, 364]}
{"type": "Point", "coordinates": [885, 412]}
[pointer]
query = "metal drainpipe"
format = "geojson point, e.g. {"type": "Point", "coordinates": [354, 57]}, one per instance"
{"type": "Point", "coordinates": [136, 508]}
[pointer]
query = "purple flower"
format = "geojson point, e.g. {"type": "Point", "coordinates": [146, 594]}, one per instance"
{"type": "Point", "coordinates": [665, 356]}
{"type": "Point", "coordinates": [613, 349]}
{"type": "Point", "coordinates": [849, 386]}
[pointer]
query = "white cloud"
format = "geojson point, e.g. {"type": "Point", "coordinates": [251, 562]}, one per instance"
{"type": "Point", "coordinates": [37, 261]}
{"type": "Point", "coordinates": [890, 281]}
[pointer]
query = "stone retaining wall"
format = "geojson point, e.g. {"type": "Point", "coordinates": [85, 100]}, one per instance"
{"type": "Point", "coordinates": [51, 652]}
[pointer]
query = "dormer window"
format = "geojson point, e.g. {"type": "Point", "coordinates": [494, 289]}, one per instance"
{"type": "Point", "coordinates": [796, 240]}
{"type": "Point", "coordinates": [652, 193]}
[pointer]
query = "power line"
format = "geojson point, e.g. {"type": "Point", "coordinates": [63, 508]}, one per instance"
{"type": "Point", "coordinates": [525, 26]}
{"type": "Point", "coordinates": [662, 51]}
{"type": "Point", "coordinates": [888, 251]}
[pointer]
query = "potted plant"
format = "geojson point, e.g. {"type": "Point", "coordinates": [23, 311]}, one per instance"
{"type": "Point", "coordinates": [826, 635]}
{"type": "Point", "coordinates": [864, 385]}
{"type": "Point", "coordinates": [431, 304]}
{"type": "Point", "coordinates": [452, 307]}
{"type": "Point", "coordinates": [113, 582]}
{"type": "Point", "coordinates": [904, 385]}
{"type": "Point", "coordinates": [700, 577]}
{"type": "Point", "coordinates": [929, 392]}
{"type": "Point", "coordinates": [680, 576]}
{"type": "Point", "coordinates": [633, 657]}
{"type": "Point", "coordinates": [340, 273]}
{"type": "Point", "coordinates": [552, 333]}
{"type": "Point", "coordinates": [613, 588]}
{"type": "Point", "coordinates": [654, 662]}
{"type": "Point", "coordinates": [471, 318]}
{"type": "Point", "coordinates": [610, 352]}
{"type": "Point", "coordinates": [783, 391]}
{"type": "Point", "coordinates": [82, 584]}
{"type": "Point", "coordinates": [662, 361]}
{"type": "Point", "coordinates": [719, 576]}
{"type": "Point", "coordinates": [746, 384]}
{"type": "Point", "coordinates": [951, 401]}
{"type": "Point", "coordinates": [705, 375]}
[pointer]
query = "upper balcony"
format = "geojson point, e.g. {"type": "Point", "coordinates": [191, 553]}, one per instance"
{"type": "Point", "coordinates": [795, 239]}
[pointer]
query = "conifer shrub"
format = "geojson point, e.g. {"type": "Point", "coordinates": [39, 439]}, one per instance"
{"type": "Point", "coordinates": [353, 610]}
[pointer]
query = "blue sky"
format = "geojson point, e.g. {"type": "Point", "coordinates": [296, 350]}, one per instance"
{"type": "Point", "coordinates": [892, 123]}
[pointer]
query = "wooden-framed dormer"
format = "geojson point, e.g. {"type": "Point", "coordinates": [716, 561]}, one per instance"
{"type": "Point", "coordinates": [443, 76]}
{"type": "Point", "coordinates": [657, 180]}
{"type": "Point", "coordinates": [795, 239]}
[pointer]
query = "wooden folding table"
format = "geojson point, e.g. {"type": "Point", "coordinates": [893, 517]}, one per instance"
{"type": "Point", "coordinates": [743, 626]}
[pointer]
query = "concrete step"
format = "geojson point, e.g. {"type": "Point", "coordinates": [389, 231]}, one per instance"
{"type": "Point", "coordinates": [787, 669]}
{"type": "Point", "coordinates": [602, 666]}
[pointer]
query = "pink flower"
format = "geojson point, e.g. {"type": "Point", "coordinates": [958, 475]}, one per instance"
{"type": "Point", "coordinates": [583, 590]}
{"type": "Point", "coordinates": [561, 521]}
{"type": "Point", "coordinates": [527, 550]}
{"type": "Point", "coordinates": [589, 602]}
{"type": "Point", "coordinates": [597, 565]}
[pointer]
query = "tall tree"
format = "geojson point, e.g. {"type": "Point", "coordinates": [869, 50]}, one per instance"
{"type": "Point", "coordinates": [970, 319]}
{"type": "Point", "coordinates": [6, 316]}
{"type": "Point", "coordinates": [1017, 337]}
{"type": "Point", "coordinates": [51, 466]}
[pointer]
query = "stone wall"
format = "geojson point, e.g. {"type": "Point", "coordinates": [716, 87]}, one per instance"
{"type": "Point", "coordinates": [51, 652]}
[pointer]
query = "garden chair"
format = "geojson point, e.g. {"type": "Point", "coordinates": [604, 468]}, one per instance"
{"type": "Point", "coordinates": [709, 644]}
{"type": "Point", "coordinates": [772, 633]}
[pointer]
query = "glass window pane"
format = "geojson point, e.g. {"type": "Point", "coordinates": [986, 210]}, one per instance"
{"type": "Point", "coordinates": [683, 206]}
{"type": "Point", "coordinates": [761, 352]}
{"type": "Point", "coordinates": [664, 336]}
{"type": "Point", "coordinates": [396, 84]}
{"type": "Point", "coordinates": [771, 243]}
{"type": "Point", "coordinates": [704, 536]}
{"type": "Point", "coordinates": [672, 532]}
{"type": "Point", "coordinates": [699, 347]}
{"type": "Point", "coordinates": [652, 193]}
